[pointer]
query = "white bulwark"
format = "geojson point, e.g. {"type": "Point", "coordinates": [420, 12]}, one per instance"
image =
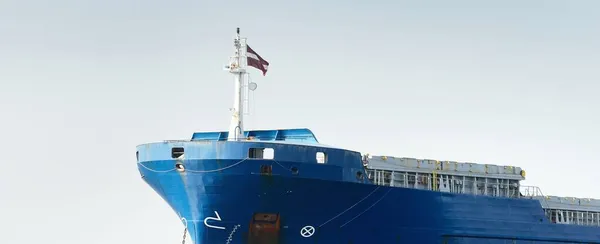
{"type": "Point", "coordinates": [477, 179]}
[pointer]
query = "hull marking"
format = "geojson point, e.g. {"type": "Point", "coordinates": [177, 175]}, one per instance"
{"type": "Point", "coordinates": [218, 218]}
{"type": "Point", "coordinates": [307, 231]}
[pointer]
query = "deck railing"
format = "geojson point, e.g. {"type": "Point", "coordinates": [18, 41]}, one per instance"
{"type": "Point", "coordinates": [481, 186]}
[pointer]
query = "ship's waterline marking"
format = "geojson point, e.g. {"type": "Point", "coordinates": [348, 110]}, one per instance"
{"type": "Point", "coordinates": [218, 218]}
{"type": "Point", "coordinates": [307, 231]}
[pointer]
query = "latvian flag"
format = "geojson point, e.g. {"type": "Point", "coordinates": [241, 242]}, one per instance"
{"type": "Point", "coordinates": [256, 61]}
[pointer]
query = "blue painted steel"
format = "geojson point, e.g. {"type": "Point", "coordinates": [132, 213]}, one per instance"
{"type": "Point", "coordinates": [304, 135]}
{"type": "Point", "coordinates": [221, 185]}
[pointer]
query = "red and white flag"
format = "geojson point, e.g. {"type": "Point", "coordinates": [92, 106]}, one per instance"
{"type": "Point", "coordinates": [256, 61]}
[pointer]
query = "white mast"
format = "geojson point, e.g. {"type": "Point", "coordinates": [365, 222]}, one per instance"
{"type": "Point", "coordinates": [236, 67]}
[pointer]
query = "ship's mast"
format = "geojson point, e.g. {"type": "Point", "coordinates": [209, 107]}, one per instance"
{"type": "Point", "coordinates": [236, 67]}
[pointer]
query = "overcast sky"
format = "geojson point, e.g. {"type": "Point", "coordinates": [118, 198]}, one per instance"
{"type": "Point", "coordinates": [83, 82]}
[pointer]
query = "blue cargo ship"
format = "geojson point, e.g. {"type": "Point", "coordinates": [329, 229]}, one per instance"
{"type": "Point", "coordinates": [284, 186]}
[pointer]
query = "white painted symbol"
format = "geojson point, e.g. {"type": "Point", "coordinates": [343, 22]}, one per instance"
{"type": "Point", "coordinates": [307, 231]}
{"type": "Point", "coordinates": [218, 218]}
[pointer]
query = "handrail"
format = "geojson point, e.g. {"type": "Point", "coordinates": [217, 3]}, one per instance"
{"type": "Point", "coordinates": [534, 191]}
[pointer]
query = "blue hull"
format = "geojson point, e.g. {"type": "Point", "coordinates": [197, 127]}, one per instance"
{"type": "Point", "coordinates": [218, 199]}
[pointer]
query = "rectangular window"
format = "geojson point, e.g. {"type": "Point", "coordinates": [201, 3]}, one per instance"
{"type": "Point", "coordinates": [321, 158]}
{"type": "Point", "coordinates": [176, 152]}
{"type": "Point", "coordinates": [261, 153]}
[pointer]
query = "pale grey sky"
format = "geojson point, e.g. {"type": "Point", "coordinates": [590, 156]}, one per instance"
{"type": "Point", "coordinates": [83, 82]}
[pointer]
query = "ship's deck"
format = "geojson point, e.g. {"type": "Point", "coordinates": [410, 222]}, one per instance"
{"type": "Point", "coordinates": [479, 179]}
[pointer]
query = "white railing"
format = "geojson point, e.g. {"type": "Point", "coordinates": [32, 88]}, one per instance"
{"type": "Point", "coordinates": [530, 191]}
{"type": "Point", "coordinates": [447, 183]}
{"type": "Point", "coordinates": [481, 186]}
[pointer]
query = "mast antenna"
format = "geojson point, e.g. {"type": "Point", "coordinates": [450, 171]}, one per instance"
{"type": "Point", "coordinates": [243, 57]}
{"type": "Point", "coordinates": [237, 68]}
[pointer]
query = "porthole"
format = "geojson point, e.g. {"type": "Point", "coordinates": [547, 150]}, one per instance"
{"type": "Point", "coordinates": [179, 167]}
{"type": "Point", "coordinates": [359, 175]}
